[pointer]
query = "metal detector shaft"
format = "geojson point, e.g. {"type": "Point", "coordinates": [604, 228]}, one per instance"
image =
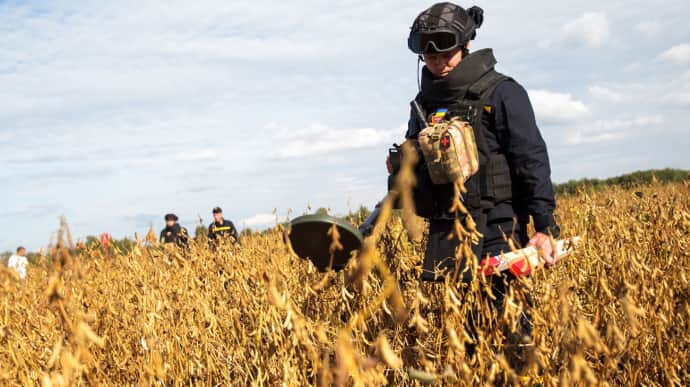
{"type": "Point", "coordinates": [367, 227]}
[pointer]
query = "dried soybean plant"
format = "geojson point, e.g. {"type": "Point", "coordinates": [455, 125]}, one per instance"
{"type": "Point", "coordinates": [616, 312]}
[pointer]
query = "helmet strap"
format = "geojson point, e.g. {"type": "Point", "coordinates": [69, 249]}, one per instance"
{"type": "Point", "coordinates": [419, 76]}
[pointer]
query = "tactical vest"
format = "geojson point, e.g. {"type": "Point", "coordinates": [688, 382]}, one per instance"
{"type": "Point", "coordinates": [492, 184]}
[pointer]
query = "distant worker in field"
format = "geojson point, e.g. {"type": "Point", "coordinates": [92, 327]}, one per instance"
{"type": "Point", "coordinates": [18, 262]}
{"type": "Point", "coordinates": [173, 232]}
{"type": "Point", "coordinates": [221, 229]}
{"type": "Point", "coordinates": [512, 181]}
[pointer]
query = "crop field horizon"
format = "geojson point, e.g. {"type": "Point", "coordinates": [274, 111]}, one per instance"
{"type": "Point", "coordinates": [615, 312]}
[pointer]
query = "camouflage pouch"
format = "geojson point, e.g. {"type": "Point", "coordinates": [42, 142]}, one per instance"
{"type": "Point", "coordinates": [450, 151]}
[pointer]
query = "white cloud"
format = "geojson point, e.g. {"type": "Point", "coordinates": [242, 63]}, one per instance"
{"type": "Point", "coordinates": [197, 155]}
{"type": "Point", "coordinates": [260, 220]}
{"type": "Point", "coordinates": [680, 97]}
{"type": "Point", "coordinates": [679, 54]}
{"type": "Point", "coordinates": [649, 29]}
{"type": "Point", "coordinates": [319, 139]}
{"type": "Point", "coordinates": [144, 163]}
{"type": "Point", "coordinates": [632, 67]}
{"type": "Point", "coordinates": [556, 107]}
{"type": "Point", "coordinates": [679, 90]}
{"type": "Point", "coordinates": [605, 93]}
{"type": "Point", "coordinates": [608, 130]}
{"type": "Point", "coordinates": [633, 96]}
{"type": "Point", "coordinates": [5, 136]}
{"type": "Point", "coordinates": [590, 29]}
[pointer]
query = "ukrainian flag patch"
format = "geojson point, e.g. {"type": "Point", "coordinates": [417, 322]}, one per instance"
{"type": "Point", "coordinates": [438, 116]}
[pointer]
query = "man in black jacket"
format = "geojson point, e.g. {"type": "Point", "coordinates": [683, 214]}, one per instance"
{"type": "Point", "coordinates": [221, 229]}
{"type": "Point", "coordinates": [173, 232]}
{"type": "Point", "coordinates": [513, 182]}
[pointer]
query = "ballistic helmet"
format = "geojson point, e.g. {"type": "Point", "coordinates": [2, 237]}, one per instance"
{"type": "Point", "coordinates": [444, 27]}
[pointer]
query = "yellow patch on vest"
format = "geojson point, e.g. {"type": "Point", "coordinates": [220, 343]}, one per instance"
{"type": "Point", "coordinates": [488, 108]}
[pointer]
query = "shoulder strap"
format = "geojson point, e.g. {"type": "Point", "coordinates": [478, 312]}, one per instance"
{"type": "Point", "coordinates": [484, 87]}
{"type": "Point", "coordinates": [413, 124]}
{"type": "Point", "coordinates": [478, 95]}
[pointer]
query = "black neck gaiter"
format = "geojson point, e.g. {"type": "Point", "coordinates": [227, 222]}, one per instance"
{"type": "Point", "coordinates": [444, 91]}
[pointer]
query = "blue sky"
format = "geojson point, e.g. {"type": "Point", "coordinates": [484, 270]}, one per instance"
{"type": "Point", "coordinates": [114, 113]}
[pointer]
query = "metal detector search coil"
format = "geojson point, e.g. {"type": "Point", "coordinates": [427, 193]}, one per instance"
{"type": "Point", "coordinates": [310, 239]}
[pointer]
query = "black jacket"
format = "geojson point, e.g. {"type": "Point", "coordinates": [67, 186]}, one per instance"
{"type": "Point", "coordinates": [509, 128]}
{"type": "Point", "coordinates": [175, 234]}
{"type": "Point", "coordinates": [512, 130]}
{"type": "Point", "coordinates": [222, 230]}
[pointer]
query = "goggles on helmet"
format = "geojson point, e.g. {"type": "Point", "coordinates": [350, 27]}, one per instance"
{"type": "Point", "coordinates": [440, 40]}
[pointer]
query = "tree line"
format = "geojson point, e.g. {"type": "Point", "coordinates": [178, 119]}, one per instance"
{"type": "Point", "coordinates": [628, 180]}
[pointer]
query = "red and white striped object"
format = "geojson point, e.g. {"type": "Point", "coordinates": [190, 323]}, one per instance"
{"type": "Point", "coordinates": [520, 262]}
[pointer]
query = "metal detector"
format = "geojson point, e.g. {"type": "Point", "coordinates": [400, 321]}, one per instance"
{"type": "Point", "coordinates": [309, 237]}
